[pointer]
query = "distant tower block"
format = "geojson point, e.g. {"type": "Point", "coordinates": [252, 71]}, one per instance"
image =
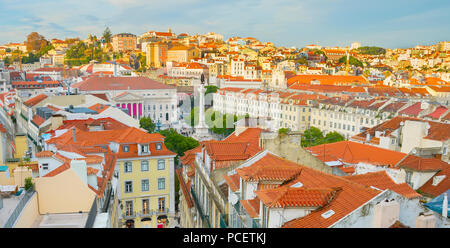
{"type": "Point", "coordinates": [355, 45]}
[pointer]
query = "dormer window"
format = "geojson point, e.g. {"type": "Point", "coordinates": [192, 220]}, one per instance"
{"type": "Point", "coordinates": [144, 148]}
{"type": "Point", "coordinates": [125, 148]}
{"type": "Point", "coordinates": [158, 146]}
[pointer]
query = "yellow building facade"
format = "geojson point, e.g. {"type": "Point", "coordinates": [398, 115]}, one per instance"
{"type": "Point", "coordinates": [147, 193]}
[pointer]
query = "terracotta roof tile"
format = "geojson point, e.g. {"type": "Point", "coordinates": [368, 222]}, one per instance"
{"type": "Point", "coordinates": [352, 153]}
{"type": "Point", "coordinates": [38, 120]}
{"type": "Point", "coordinates": [270, 167]}
{"type": "Point", "coordinates": [119, 83]}
{"type": "Point", "coordinates": [296, 197]}
{"type": "Point", "coordinates": [351, 196]}
{"type": "Point", "coordinates": [44, 154]}
{"type": "Point", "coordinates": [233, 182]}
{"type": "Point", "coordinates": [251, 206]}
{"type": "Point", "coordinates": [422, 164]}
{"type": "Point", "coordinates": [35, 100]}
{"type": "Point", "coordinates": [413, 110]}
{"type": "Point", "coordinates": [381, 180]}
{"type": "Point", "coordinates": [440, 187]}
{"type": "Point", "coordinates": [185, 189]}
{"type": "Point", "coordinates": [91, 171]}
{"type": "Point", "coordinates": [438, 112]}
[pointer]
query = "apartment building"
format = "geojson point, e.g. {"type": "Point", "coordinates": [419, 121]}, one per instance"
{"type": "Point", "coordinates": [124, 42]}
{"type": "Point", "coordinates": [143, 174]}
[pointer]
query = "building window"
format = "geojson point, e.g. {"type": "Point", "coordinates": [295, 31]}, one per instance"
{"type": "Point", "coordinates": [144, 148]}
{"type": "Point", "coordinates": [45, 166]}
{"type": "Point", "coordinates": [127, 167]}
{"type": "Point", "coordinates": [408, 178]}
{"type": "Point", "coordinates": [162, 204]}
{"type": "Point", "coordinates": [125, 148]}
{"type": "Point", "coordinates": [128, 186]}
{"type": "Point", "coordinates": [158, 146]}
{"type": "Point", "coordinates": [144, 185]}
{"type": "Point", "coordinates": [129, 208]}
{"type": "Point", "coordinates": [144, 165]}
{"type": "Point", "coordinates": [161, 183]}
{"type": "Point", "coordinates": [145, 206]}
{"type": "Point", "coordinates": [161, 164]}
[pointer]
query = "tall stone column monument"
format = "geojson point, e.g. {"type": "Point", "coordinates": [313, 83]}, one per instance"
{"type": "Point", "coordinates": [201, 129]}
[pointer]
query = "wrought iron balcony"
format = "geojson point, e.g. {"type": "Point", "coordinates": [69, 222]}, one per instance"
{"type": "Point", "coordinates": [129, 215]}
{"type": "Point", "coordinates": [204, 217]}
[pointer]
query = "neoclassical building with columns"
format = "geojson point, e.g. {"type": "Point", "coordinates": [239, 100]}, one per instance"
{"type": "Point", "coordinates": [140, 96]}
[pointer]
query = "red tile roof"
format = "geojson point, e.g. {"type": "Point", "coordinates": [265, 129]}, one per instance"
{"type": "Point", "coordinates": [227, 152]}
{"type": "Point", "coordinates": [353, 153]}
{"type": "Point", "coordinates": [381, 180]}
{"type": "Point", "coordinates": [120, 83]}
{"type": "Point", "coordinates": [108, 123]}
{"type": "Point", "coordinates": [296, 197]}
{"type": "Point", "coordinates": [58, 170]}
{"type": "Point", "coordinates": [91, 171]}
{"type": "Point", "coordinates": [413, 110]}
{"type": "Point", "coordinates": [250, 135]}
{"type": "Point", "coordinates": [429, 189]}
{"type": "Point", "coordinates": [185, 189]}
{"type": "Point", "coordinates": [251, 206]}
{"type": "Point", "coordinates": [38, 120]}
{"type": "Point", "coordinates": [387, 127]}
{"type": "Point", "coordinates": [99, 107]}
{"type": "Point", "coordinates": [233, 182]}
{"type": "Point", "coordinates": [35, 100]}
{"type": "Point", "coordinates": [270, 167]}
{"type": "Point", "coordinates": [351, 196]}
{"type": "Point", "coordinates": [438, 112]}
{"type": "Point", "coordinates": [422, 164]}
{"type": "Point", "coordinates": [129, 135]}
{"type": "Point", "coordinates": [327, 79]}
{"type": "Point", "coordinates": [44, 154]}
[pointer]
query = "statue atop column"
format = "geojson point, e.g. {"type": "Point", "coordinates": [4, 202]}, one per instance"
{"type": "Point", "coordinates": [201, 129]}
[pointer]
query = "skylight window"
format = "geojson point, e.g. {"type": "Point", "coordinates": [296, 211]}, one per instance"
{"type": "Point", "coordinates": [297, 185]}
{"type": "Point", "coordinates": [327, 214]}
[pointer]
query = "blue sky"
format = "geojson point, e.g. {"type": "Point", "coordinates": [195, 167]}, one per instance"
{"type": "Point", "coordinates": [386, 23]}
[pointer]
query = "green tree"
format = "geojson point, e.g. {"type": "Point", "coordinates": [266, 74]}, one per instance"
{"type": "Point", "coordinates": [301, 61]}
{"type": "Point", "coordinates": [352, 61]}
{"type": "Point", "coordinates": [332, 137]}
{"type": "Point", "coordinates": [28, 183]}
{"type": "Point", "coordinates": [371, 50]}
{"type": "Point", "coordinates": [107, 35]}
{"type": "Point", "coordinates": [147, 124]}
{"type": "Point", "coordinates": [312, 137]}
{"type": "Point", "coordinates": [178, 143]}
{"type": "Point", "coordinates": [35, 42]}
{"type": "Point", "coordinates": [283, 130]}
{"type": "Point", "coordinates": [211, 89]}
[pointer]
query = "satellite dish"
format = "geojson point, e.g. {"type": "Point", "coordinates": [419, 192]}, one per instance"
{"type": "Point", "coordinates": [233, 198]}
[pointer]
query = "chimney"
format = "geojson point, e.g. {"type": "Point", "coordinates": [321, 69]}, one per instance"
{"type": "Point", "coordinates": [386, 214]}
{"type": "Point", "coordinates": [74, 136]}
{"type": "Point", "coordinates": [445, 206]}
{"type": "Point", "coordinates": [56, 121]}
{"type": "Point", "coordinates": [425, 220]}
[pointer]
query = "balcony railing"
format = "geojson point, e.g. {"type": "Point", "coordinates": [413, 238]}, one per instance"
{"type": "Point", "coordinates": [92, 214]}
{"type": "Point", "coordinates": [18, 210]}
{"type": "Point", "coordinates": [129, 215]}
{"type": "Point", "coordinates": [150, 213]}
{"type": "Point", "coordinates": [199, 208]}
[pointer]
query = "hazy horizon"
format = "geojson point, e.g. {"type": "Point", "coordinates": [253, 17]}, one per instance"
{"type": "Point", "coordinates": [288, 23]}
